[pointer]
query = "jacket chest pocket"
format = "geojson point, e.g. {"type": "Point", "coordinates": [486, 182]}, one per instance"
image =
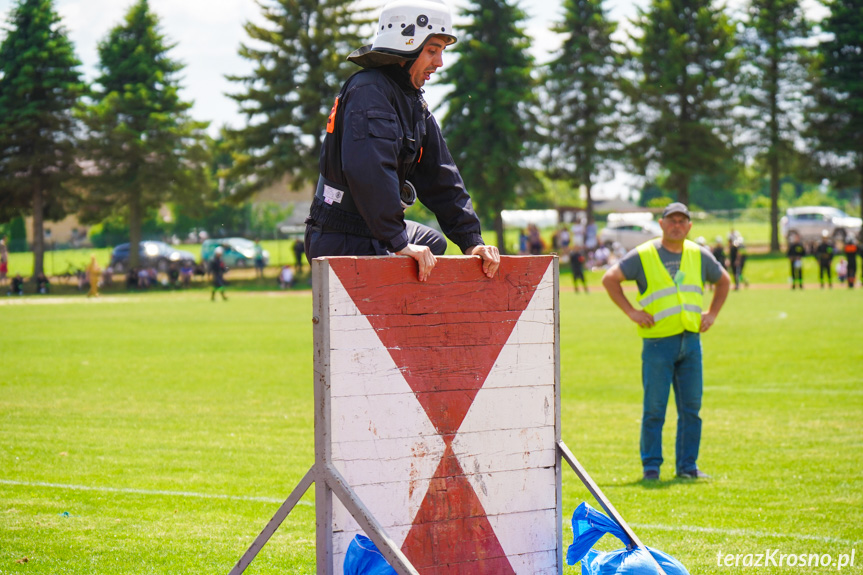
{"type": "Point", "coordinates": [375, 124]}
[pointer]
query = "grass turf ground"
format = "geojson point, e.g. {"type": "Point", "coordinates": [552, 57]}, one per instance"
{"type": "Point", "coordinates": [158, 433]}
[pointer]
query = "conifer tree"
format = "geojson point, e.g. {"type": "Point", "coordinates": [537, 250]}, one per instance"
{"type": "Point", "coordinates": [582, 85]}
{"type": "Point", "coordinates": [687, 67]}
{"type": "Point", "coordinates": [776, 72]}
{"type": "Point", "coordinates": [145, 148]}
{"type": "Point", "coordinates": [299, 59]}
{"type": "Point", "coordinates": [40, 87]}
{"type": "Point", "coordinates": [489, 122]}
{"type": "Point", "coordinates": [837, 120]}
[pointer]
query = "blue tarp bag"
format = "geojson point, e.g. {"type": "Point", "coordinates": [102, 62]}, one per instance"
{"type": "Point", "coordinates": [588, 527]}
{"type": "Point", "coordinates": [363, 558]}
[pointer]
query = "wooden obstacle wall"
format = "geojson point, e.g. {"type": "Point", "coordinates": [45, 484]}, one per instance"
{"type": "Point", "coordinates": [439, 404]}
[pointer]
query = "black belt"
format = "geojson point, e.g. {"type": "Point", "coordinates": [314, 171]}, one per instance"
{"type": "Point", "coordinates": [316, 227]}
{"type": "Point", "coordinates": [335, 195]}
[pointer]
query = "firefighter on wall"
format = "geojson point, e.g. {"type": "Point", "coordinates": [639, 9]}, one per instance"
{"type": "Point", "coordinates": [383, 150]}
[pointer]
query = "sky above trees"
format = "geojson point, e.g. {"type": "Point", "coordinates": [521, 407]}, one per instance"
{"type": "Point", "coordinates": [208, 33]}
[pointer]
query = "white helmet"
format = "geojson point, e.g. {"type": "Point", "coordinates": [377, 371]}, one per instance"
{"type": "Point", "coordinates": [403, 28]}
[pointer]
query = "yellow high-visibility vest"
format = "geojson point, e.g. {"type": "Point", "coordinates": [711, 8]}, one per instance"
{"type": "Point", "coordinates": [675, 305]}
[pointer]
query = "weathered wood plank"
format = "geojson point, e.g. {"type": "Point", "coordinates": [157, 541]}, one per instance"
{"type": "Point", "coordinates": [396, 416]}
{"type": "Point", "coordinates": [375, 373]}
{"type": "Point", "coordinates": [369, 471]}
{"type": "Point", "coordinates": [529, 540]}
{"type": "Point", "coordinates": [521, 490]}
{"type": "Point", "coordinates": [469, 329]}
{"type": "Point", "coordinates": [498, 450]}
{"type": "Point", "coordinates": [376, 280]}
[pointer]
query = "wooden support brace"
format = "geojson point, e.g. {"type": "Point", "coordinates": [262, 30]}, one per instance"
{"type": "Point", "coordinates": [602, 499]}
{"type": "Point", "coordinates": [276, 521]}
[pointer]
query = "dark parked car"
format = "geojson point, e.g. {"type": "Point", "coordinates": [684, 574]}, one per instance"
{"type": "Point", "coordinates": [150, 254]}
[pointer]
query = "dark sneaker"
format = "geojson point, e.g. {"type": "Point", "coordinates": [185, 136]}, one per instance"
{"type": "Point", "coordinates": [651, 475]}
{"type": "Point", "coordinates": [693, 474]}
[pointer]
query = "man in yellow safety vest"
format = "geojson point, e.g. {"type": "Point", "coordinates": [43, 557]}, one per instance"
{"type": "Point", "coordinates": [670, 273]}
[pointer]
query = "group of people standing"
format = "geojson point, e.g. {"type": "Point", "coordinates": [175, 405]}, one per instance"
{"type": "Point", "coordinates": [735, 259]}
{"type": "Point", "coordinates": [824, 252]}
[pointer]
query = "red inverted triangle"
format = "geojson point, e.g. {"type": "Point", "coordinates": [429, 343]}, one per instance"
{"type": "Point", "coordinates": [446, 333]}
{"type": "Point", "coordinates": [451, 534]}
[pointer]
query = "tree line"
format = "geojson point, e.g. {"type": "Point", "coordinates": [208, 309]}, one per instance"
{"type": "Point", "coordinates": [713, 108]}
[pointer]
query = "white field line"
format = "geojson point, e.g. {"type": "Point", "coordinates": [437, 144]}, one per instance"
{"type": "Point", "coordinates": [743, 533]}
{"type": "Point", "coordinates": [645, 526]}
{"type": "Point", "coordinates": [128, 490]}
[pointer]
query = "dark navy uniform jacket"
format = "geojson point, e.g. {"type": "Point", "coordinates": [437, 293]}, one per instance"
{"type": "Point", "coordinates": [379, 135]}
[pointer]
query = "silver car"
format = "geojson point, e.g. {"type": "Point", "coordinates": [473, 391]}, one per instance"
{"type": "Point", "coordinates": [808, 223]}
{"type": "Point", "coordinates": [629, 232]}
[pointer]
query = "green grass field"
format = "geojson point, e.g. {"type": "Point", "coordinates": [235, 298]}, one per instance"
{"type": "Point", "coordinates": [158, 432]}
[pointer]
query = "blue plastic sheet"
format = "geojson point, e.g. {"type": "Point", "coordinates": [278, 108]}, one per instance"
{"type": "Point", "coordinates": [363, 558]}
{"type": "Point", "coordinates": [588, 527]}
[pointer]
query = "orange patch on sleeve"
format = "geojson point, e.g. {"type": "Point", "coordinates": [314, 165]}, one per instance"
{"type": "Point", "coordinates": [331, 121]}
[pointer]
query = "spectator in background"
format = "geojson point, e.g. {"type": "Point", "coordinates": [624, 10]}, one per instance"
{"type": "Point", "coordinates": [577, 261]}
{"type": "Point", "coordinates": [732, 251]}
{"type": "Point", "coordinates": [186, 272]}
{"type": "Point", "coordinates": [824, 254]}
{"type": "Point", "coordinates": [286, 277]}
{"type": "Point", "coordinates": [17, 287]}
{"type": "Point", "coordinates": [842, 271]}
{"type": "Point", "coordinates": [174, 275]}
{"type": "Point", "coordinates": [564, 238]}
{"type": "Point", "coordinates": [259, 259]}
{"type": "Point", "coordinates": [299, 252]}
{"type": "Point", "coordinates": [522, 242]}
{"type": "Point", "coordinates": [218, 269]}
{"type": "Point", "coordinates": [132, 278]}
{"type": "Point", "coordinates": [4, 261]}
{"type": "Point", "coordinates": [718, 252]}
{"type": "Point", "coordinates": [108, 276]}
{"type": "Point", "coordinates": [851, 250]}
{"type": "Point", "coordinates": [795, 253]}
{"type": "Point", "coordinates": [143, 278]}
{"type": "Point", "coordinates": [43, 286]}
{"type": "Point", "coordinates": [94, 274]}
{"type": "Point", "coordinates": [738, 263]}
{"type": "Point", "coordinates": [535, 245]}
{"type": "Point", "coordinates": [577, 234]}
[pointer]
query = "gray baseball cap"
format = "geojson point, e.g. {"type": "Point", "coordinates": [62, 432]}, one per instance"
{"type": "Point", "coordinates": [675, 208]}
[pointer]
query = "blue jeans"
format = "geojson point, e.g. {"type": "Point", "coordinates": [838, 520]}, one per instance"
{"type": "Point", "coordinates": [668, 362]}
